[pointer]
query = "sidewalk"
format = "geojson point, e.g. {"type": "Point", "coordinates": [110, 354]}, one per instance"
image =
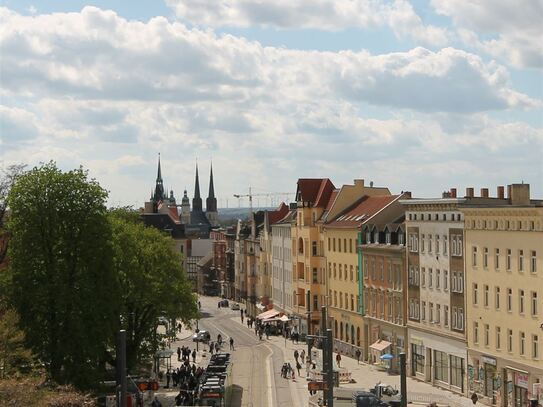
{"type": "Point", "coordinates": [364, 375]}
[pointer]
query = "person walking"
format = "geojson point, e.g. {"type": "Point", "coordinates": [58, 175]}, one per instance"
{"type": "Point", "coordinates": [338, 360]}
{"type": "Point", "coordinates": [217, 347]}
{"type": "Point", "coordinates": [168, 378]}
{"type": "Point", "coordinates": [298, 367]}
{"type": "Point", "coordinates": [194, 356]}
{"type": "Point", "coordinates": [296, 355]}
{"type": "Point", "coordinates": [232, 343]}
{"type": "Point", "coordinates": [358, 353]}
{"type": "Point", "coordinates": [156, 402]}
{"type": "Point", "coordinates": [302, 356]}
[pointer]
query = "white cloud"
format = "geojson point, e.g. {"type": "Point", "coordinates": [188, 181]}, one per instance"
{"type": "Point", "coordinates": [511, 30]}
{"type": "Point", "coordinates": [329, 15]}
{"type": "Point", "coordinates": [94, 88]}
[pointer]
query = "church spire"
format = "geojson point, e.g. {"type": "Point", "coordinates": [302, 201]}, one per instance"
{"type": "Point", "coordinates": [159, 187]}
{"type": "Point", "coordinates": [211, 201]}
{"type": "Point", "coordinates": [197, 200]}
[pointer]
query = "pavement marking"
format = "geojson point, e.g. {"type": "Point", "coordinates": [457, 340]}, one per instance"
{"type": "Point", "coordinates": [270, 376]}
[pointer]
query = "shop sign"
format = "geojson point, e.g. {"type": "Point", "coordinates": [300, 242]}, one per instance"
{"type": "Point", "coordinates": [521, 380]}
{"type": "Point", "coordinates": [488, 360]}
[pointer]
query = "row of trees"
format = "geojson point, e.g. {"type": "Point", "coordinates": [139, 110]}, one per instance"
{"type": "Point", "coordinates": [78, 273]}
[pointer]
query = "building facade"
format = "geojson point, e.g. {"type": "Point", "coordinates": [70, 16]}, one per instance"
{"type": "Point", "coordinates": [282, 271]}
{"type": "Point", "coordinates": [504, 279]}
{"type": "Point", "coordinates": [436, 291]}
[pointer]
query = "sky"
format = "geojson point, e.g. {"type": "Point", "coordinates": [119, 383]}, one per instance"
{"type": "Point", "coordinates": [420, 95]}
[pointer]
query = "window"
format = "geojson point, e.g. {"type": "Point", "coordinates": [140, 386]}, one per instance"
{"type": "Point", "coordinates": [350, 245]}
{"type": "Point", "coordinates": [438, 314]}
{"type": "Point", "coordinates": [422, 242]}
{"type": "Point", "coordinates": [509, 340]}
{"type": "Point", "coordinates": [535, 347]}
{"type": "Point", "coordinates": [423, 277]}
{"type": "Point", "coordinates": [445, 280]}
{"type": "Point", "coordinates": [534, 303]}
{"type": "Point", "coordinates": [418, 352]}
{"type": "Point", "coordinates": [431, 319]}
{"type": "Point", "coordinates": [475, 290]}
{"type": "Point", "coordinates": [521, 260]}
{"type": "Point", "coordinates": [521, 301]}
{"type": "Point", "coordinates": [460, 324]}
{"type": "Point", "coordinates": [446, 315]}
{"type": "Point", "coordinates": [460, 282]}
{"type": "Point", "coordinates": [438, 279]}
{"type": "Point", "coordinates": [315, 302]}
{"type": "Point", "coordinates": [334, 244]}
{"type": "Point", "coordinates": [457, 371]}
{"type": "Point", "coordinates": [474, 256]}
{"type": "Point", "coordinates": [509, 300]}
{"type": "Point", "coordinates": [368, 237]}
{"type": "Point", "coordinates": [498, 337]}
{"type": "Point", "coordinates": [315, 275]}
{"type": "Point", "coordinates": [533, 262]}
{"type": "Point", "coordinates": [441, 366]}
{"type": "Point", "coordinates": [430, 277]}
{"type": "Point", "coordinates": [345, 245]}
{"type": "Point", "coordinates": [429, 243]}
{"type": "Point", "coordinates": [423, 311]}
{"type": "Point", "coordinates": [351, 273]}
{"type": "Point", "coordinates": [476, 332]}
{"type": "Point", "coordinates": [508, 260]}
{"type": "Point", "coordinates": [445, 245]}
{"type": "Point", "coordinates": [485, 257]}
{"type": "Point", "coordinates": [400, 238]}
{"type": "Point", "coordinates": [437, 244]}
{"type": "Point", "coordinates": [340, 271]}
{"type": "Point", "coordinates": [387, 237]}
{"type": "Point", "coordinates": [352, 302]}
{"type": "Point", "coordinates": [329, 244]}
{"type": "Point", "coordinates": [522, 343]}
{"type": "Point", "coordinates": [487, 334]}
{"type": "Point", "coordinates": [497, 259]}
{"type": "Point", "coordinates": [497, 297]}
{"type": "Point", "coordinates": [413, 242]}
{"type": "Point", "coordinates": [486, 296]}
{"type": "Point", "coordinates": [314, 248]}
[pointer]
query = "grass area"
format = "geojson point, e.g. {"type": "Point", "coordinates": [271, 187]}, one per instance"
{"type": "Point", "coordinates": [33, 391]}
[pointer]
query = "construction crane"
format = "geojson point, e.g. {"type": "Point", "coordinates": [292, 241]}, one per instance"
{"type": "Point", "coordinates": [250, 195]}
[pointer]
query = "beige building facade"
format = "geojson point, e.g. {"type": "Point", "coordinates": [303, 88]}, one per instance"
{"type": "Point", "coordinates": [504, 280]}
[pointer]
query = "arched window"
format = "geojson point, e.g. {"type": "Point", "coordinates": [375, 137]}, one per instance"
{"type": "Point", "coordinates": [335, 329]}
{"type": "Point", "coordinates": [352, 334]}
{"type": "Point", "coordinates": [346, 332]}
{"type": "Point", "coordinates": [341, 331]}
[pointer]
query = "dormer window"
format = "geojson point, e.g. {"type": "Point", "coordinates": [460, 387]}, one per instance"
{"type": "Point", "coordinates": [400, 239]}
{"type": "Point", "coordinates": [376, 236]}
{"type": "Point", "coordinates": [368, 237]}
{"type": "Point", "coordinates": [387, 237]}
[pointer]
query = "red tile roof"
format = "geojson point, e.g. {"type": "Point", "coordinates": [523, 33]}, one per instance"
{"type": "Point", "coordinates": [315, 190]}
{"type": "Point", "coordinates": [361, 211]}
{"type": "Point", "coordinates": [278, 214]}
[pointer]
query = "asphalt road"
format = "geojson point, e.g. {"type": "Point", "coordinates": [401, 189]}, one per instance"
{"type": "Point", "coordinates": [256, 364]}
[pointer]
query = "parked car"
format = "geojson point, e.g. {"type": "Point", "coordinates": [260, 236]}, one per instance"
{"type": "Point", "coordinates": [224, 303]}
{"type": "Point", "coordinates": [367, 399]}
{"type": "Point", "coordinates": [201, 336]}
{"type": "Point", "coordinates": [235, 306]}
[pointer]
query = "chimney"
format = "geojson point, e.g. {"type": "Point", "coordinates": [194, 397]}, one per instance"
{"type": "Point", "coordinates": [359, 182]}
{"type": "Point", "coordinates": [484, 192]}
{"type": "Point", "coordinates": [469, 192]}
{"type": "Point", "coordinates": [453, 192]}
{"type": "Point", "coordinates": [519, 194]}
{"type": "Point", "coordinates": [501, 192]}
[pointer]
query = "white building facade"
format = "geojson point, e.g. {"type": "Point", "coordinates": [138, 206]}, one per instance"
{"type": "Point", "coordinates": [282, 266]}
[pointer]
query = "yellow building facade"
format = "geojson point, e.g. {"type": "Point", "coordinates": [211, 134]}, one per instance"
{"type": "Point", "coordinates": [504, 283]}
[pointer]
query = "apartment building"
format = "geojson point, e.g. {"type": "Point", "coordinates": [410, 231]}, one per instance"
{"type": "Point", "coordinates": [309, 264]}
{"type": "Point", "coordinates": [341, 224]}
{"type": "Point", "coordinates": [504, 284]}
{"type": "Point", "coordinates": [436, 323]}
{"type": "Point", "coordinates": [382, 255]}
{"type": "Point", "coordinates": [282, 268]}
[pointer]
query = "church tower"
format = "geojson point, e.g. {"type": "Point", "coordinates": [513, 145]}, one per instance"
{"type": "Point", "coordinates": [185, 209]}
{"type": "Point", "coordinates": [211, 202]}
{"type": "Point", "coordinates": [197, 201]}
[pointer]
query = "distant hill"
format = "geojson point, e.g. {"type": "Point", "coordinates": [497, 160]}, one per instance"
{"type": "Point", "coordinates": [227, 215]}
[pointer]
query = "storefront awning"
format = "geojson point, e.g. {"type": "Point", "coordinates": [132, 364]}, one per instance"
{"type": "Point", "coordinates": [284, 318]}
{"type": "Point", "coordinates": [268, 314]}
{"type": "Point", "coordinates": [380, 345]}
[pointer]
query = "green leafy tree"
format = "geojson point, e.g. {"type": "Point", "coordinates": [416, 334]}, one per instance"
{"type": "Point", "coordinates": [151, 280]}
{"type": "Point", "coordinates": [61, 280]}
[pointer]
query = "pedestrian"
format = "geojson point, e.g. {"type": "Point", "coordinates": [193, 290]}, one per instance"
{"type": "Point", "coordinates": [296, 354]}
{"type": "Point", "coordinates": [168, 378]}
{"type": "Point", "coordinates": [242, 318]}
{"type": "Point", "coordinates": [298, 367]}
{"type": "Point", "coordinates": [194, 356]}
{"type": "Point", "coordinates": [219, 304]}
{"type": "Point", "coordinates": [338, 360]}
{"type": "Point", "coordinates": [178, 353]}
{"type": "Point", "coordinates": [156, 402]}
{"type": "Point", "coordinates": [260, 334]}
{"type": "Point", "coordinates": [219, 339]}
{"type": "Point", "coordinates": [216, 347]}
{"type": "Point", "coordinates": [358, 353]}
{"type": "Point", "coordinates": [199, 305]}
{"type": "Point", "coordinates": [232, 343]}
{"type": "Point", "coordinates": [211, 347]}
{"type": "Point", "coordinates": [302, 355]}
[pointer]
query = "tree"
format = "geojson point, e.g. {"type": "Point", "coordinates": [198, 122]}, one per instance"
{"type": "Point", "coordinates": [60, 277]}
{"type": "Point", "coordinates": [13, 355]}
{"type": "Point", "coordinates": [151, 282]}
{"type": "Point", "coordinates": [7, 179]}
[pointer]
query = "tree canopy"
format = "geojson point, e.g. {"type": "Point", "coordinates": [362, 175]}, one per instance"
{"type": "Point", "coordinates": [61, 277]}
{"type": "Point", "coordinates": [78, 273]}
